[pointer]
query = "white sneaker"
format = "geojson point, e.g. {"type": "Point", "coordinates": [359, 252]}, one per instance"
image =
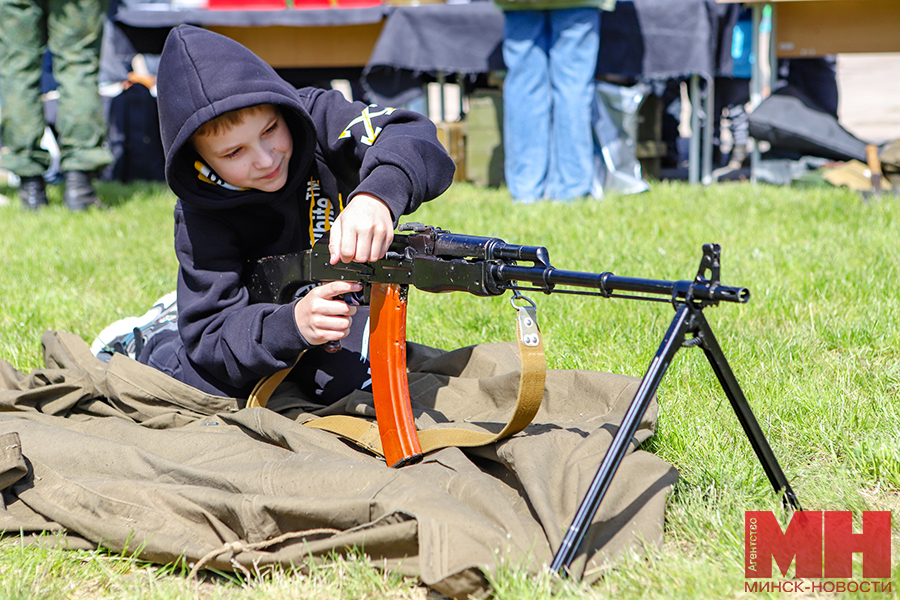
{"type": "Point", "coordinates": [128, 335]}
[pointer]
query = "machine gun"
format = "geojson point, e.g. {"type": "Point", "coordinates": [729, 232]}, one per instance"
{"type": "Point", "coordinates": [435, 260]}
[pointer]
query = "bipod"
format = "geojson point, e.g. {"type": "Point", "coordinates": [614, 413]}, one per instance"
{"type": "Point", "coordinates": [689, 328]}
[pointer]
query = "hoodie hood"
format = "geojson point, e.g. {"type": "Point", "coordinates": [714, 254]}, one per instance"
{"type": "Point", "coordinates": [203, 75]}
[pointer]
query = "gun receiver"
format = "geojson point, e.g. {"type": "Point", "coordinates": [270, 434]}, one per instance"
{"type": "Point", "coordinates": [435, 260]}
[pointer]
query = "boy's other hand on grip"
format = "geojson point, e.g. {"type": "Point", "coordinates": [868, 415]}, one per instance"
{"type": "Point", "coordinates": [322, 315]}
{"type": "Point", "coordinates": [362, 232]}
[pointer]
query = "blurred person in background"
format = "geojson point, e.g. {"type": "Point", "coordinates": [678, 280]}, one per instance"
{"type": "Point", "coordinates": [550, 48]}
{"type": "Point", "coordinates": [72, 30]}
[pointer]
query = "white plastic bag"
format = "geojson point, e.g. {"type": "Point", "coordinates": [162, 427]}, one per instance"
{"type": "Point", "coordinates": [615, 122]}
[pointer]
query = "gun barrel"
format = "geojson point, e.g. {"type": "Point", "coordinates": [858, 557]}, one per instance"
{"type": "Point", "coordinates": [609, 284]}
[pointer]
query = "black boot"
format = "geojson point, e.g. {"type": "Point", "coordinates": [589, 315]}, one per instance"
{"type": "Point", "coordinates": [79, 193]}
{"type": "Point", "coordinates": [33, 192]}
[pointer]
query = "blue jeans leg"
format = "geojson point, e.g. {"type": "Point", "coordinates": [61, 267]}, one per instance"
{"type": "Point", "coordinates": [574, 47]}
{"type": "Point", "coordinates": [526, 103]}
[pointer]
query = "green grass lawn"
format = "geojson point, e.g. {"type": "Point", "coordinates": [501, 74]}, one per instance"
{"type": "Point", "coordinates": [816, 350]}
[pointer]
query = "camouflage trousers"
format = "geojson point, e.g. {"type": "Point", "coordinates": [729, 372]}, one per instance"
{"type": "Point", "coordinates": [72, 29]}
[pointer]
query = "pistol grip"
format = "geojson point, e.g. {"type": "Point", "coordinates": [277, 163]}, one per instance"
{"type": "Point", "coordinates": [353, 299]}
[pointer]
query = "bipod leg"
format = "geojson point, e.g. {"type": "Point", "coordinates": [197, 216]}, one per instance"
{"type": "Point", "coordinates": [672, 341]}
{"type": "Point", "coordinates": [742, 409]}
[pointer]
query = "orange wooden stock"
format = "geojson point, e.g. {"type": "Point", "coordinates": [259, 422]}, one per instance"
{"type": "Point", "coordinates": [390, 387]}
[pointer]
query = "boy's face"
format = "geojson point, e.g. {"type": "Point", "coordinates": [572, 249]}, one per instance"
{"type": "Point", "coordinates": [253, 154]}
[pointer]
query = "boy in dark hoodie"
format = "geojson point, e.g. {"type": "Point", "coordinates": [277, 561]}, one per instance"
{"type": "Point", "coordinates": [261, 168]}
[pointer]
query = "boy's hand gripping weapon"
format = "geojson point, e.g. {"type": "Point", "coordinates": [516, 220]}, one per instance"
{"type": "Point", "coordinates": [434, 260]}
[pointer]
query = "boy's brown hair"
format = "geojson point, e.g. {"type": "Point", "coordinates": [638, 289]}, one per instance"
{"type": "Point", "coordinates": [226, 121]}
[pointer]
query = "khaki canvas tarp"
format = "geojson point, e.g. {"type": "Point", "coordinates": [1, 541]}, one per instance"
{"type": "Point", "coordinates": [123, 456]}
